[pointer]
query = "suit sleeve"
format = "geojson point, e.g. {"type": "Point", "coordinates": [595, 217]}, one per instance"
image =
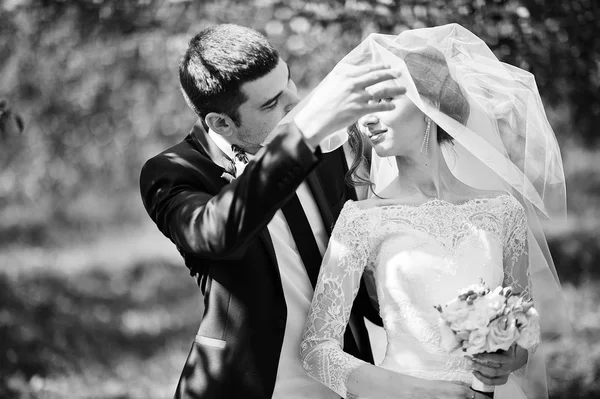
{"type": "Point", "coordinates": [179, 196]}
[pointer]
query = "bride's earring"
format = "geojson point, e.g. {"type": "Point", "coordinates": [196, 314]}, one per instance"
{"type": "Point", "coordinates": [425, 144]}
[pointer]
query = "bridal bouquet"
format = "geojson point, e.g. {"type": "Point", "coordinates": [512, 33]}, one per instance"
{"type": "Point", "coordinates": [481, 320]}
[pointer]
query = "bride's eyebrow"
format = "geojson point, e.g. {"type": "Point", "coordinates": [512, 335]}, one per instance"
{"type": "Point", "coordinates": [272, 100]}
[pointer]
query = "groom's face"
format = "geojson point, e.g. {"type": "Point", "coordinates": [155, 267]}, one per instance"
{"type": "Point", "coordinates": [270, 98]}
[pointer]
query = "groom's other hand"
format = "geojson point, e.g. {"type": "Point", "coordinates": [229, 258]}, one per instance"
{"type": "Point", "coordinates": [344, 96]}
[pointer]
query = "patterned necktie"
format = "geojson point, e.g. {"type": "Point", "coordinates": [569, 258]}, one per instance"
{"type": "Point", "coordinates": [240, 154]}
{"type": "Point", "coordinates": [241, 159]}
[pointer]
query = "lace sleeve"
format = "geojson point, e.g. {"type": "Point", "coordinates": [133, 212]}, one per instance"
{"type": "Point", "coordinates": [516, 260]}
{"type": "Point", "coordinates": [339, 279]}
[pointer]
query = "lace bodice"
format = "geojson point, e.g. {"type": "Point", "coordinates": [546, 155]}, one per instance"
{"type": "Point", "coordinates": [419, 257]}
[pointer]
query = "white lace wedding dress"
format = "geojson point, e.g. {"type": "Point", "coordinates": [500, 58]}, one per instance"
{"type": "Point", "coordinates": [420, 257]}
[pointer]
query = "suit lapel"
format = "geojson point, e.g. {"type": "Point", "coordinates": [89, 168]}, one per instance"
{"type": "Point", "coordinates": [266, 239]}
{"type": "Point", "coordinates": [317, 191]}
{"type": "Point", "coordinates": [203, 140]}
{"type": "Point", "coordinates": [330, 176]}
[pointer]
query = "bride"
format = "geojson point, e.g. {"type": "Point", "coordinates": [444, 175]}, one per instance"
{"type": "Point", "coordinates": [462, 170]}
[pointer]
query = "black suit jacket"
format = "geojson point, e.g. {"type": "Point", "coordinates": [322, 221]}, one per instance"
{"type": "Point", "coordinates": [220, 227]}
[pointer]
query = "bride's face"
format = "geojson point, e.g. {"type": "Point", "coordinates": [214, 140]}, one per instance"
{"type": "Point", "coordinates": [398, 132]}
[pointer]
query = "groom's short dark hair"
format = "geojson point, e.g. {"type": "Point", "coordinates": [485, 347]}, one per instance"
{"type": "Point", "coordinates": [218, 61]}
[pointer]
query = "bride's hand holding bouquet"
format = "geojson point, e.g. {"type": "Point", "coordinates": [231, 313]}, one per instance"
{"type": "Point", "coordinates": [493, 328]}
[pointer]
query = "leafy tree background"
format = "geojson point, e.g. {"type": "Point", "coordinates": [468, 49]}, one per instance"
{"type": "Point", "coordinates": [94, 301]}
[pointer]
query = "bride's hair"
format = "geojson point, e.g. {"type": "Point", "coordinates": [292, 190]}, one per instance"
{"type": "Point", "coordinates": [429, 70]}
{"type": "Point", "coordinates": [362, 156]}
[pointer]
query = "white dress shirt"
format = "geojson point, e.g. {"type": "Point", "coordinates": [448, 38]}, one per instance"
{"type": "Point", "coordinates": [292, 382]}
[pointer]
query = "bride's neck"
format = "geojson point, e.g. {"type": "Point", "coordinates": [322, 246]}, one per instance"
{"type": "Point", "coordinates": [425, 173]}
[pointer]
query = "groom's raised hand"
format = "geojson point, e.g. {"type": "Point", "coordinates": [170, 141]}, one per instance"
{"type": "Point", "coordinates": [347, 94]}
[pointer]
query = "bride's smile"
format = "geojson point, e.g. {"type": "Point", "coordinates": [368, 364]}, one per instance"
{"type": "Point", "coordinates": [398, 132]}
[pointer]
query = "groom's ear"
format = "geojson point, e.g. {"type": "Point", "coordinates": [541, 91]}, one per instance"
{"type": "Point", "coordinates": [220, 124]}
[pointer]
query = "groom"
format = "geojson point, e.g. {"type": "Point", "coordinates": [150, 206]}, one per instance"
{"type": "Point", "coordinates": [255, 240]}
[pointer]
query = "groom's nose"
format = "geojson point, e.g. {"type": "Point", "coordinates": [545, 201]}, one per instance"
{"type": "Point", "coordinates": [292, 100]}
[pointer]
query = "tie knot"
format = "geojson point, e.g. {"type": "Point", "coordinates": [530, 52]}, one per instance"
{"type": "Point", "coordinates": [240, 154]}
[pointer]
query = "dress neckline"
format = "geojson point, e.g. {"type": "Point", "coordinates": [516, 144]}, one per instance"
{"type": "Point", "coordinates": [434, 202]}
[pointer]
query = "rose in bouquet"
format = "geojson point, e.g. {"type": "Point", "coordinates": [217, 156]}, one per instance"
{"type": "Point", "coordinates": [481, 320]}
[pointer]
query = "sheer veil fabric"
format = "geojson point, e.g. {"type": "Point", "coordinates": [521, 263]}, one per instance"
{"type": "Point", "coordinates": [502, 141]}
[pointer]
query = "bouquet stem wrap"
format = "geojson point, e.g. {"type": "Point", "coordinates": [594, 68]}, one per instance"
{"type": "Point", "coordinates": [480, 386]}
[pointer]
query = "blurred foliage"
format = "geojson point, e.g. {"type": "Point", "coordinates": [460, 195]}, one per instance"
{"type": "Point", "coordinates": [575, 252]}
{"type": "Point", "coordinates": [96, 80]}
{"type": "Point", "coordinates": [573, 363]}
{"type": "Point", "coordinates": [122, 334]}
{"type": "Point", "coordinates": [96, 83]}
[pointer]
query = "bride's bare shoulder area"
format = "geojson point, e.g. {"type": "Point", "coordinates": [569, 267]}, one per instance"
{"type": "Point", "coordinates": [477, 193]}
{"type": "Point", "coordinates": [371, 203]}
{"type": "Point", "coordinates": [463, 192]}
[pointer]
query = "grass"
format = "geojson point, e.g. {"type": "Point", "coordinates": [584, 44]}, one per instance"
{"type": "Point", "coordinates": [96, 328]}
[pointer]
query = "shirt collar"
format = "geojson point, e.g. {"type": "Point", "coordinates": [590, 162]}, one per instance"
{"type": "Point", "coordinates": [225, 146]}
{"type": "Point", "coordinates": [222, 144]}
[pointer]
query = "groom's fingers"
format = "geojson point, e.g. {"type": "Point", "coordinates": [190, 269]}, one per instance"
{"type": "Point", "coordinates": [382, 106]}
{"type": "Point", "coordinates": [378, 76]}
{"type": "Point", "coordinates": [386, 92]}
{"type": "Point", "coordinates": [361, 70]}
{"type": "Point", "coordinates": [377, 107]}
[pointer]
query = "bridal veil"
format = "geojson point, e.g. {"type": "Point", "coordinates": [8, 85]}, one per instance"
{"type": "Point", "coordinates": [502, 141]}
